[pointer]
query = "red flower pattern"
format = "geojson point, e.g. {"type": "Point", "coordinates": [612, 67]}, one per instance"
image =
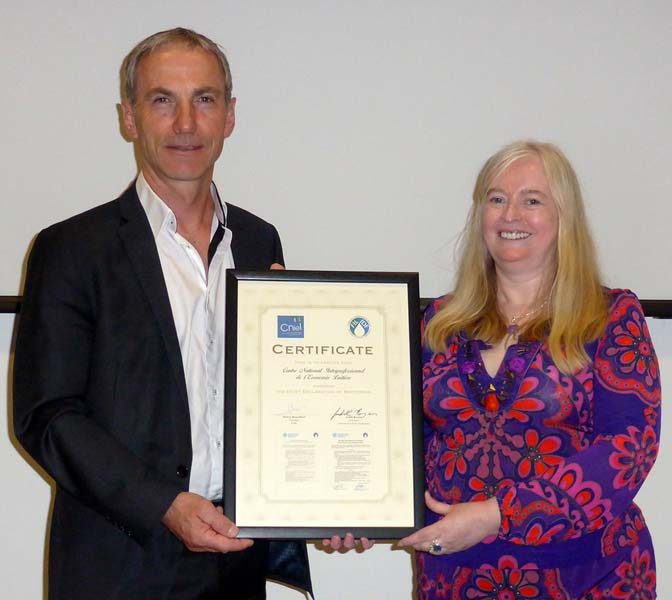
{"type": "Point", "coordinates": [622, 532]}
{"type": "Point", "coordinates": [538, 454]}
{"type": "Point", "coordinates": [453, 457]}
{"type": "Point", "coordinates": [635, 454]}
{"type": "Point", "coordinates": [638, 579]}
{"type": "Point", "coordinates": [484, 490]}
{"type": "Point", "coordinates": [506, 581]}
{"type": "Point", "coordinates": [627, 364]}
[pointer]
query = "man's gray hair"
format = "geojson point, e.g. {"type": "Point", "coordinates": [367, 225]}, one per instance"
{"type": "Point", "coordinates": [178, 35]}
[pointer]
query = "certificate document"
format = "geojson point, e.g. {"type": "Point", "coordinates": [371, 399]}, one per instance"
{"type": "Point", "coordinates": [323, 408]}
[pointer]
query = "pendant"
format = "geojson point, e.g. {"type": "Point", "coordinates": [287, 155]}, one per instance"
{"type": "Point", "coordinates": [491, 402]}
{"type": "Point", "coordinates": [512, 329]}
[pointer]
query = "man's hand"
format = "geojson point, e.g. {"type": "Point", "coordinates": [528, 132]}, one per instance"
{"type": "Point", "coordinates": [201, 526]}
{"type": "Point", "coordinates": [277, 267]}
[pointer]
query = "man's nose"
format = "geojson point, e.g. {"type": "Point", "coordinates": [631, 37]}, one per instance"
{"type": "Point", "coordinates": [185, 121]}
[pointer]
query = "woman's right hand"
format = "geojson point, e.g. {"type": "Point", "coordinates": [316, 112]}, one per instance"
{"type": "Point", "coordinates": [463, 525]}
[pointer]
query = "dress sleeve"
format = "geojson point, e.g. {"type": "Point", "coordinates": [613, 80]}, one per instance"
{"type": "Point", "coordinates": [588, 490]}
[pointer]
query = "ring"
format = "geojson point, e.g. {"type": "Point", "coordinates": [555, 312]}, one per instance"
{"type": "Point", "coordinates": [435, 547]}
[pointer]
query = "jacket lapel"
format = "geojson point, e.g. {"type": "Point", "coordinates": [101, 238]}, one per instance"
{"type": "Point", "coordinates": [138, 240]}
{"type": "Point", "coordinates": [243, 243]}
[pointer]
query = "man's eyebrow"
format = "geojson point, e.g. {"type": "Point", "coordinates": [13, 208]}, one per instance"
{"type": "Point", "coordinates": [208, 89]}
{"type": "Point", "coordinates": [160, 91]}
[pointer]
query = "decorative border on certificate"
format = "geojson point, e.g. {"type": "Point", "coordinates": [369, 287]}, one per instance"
{"type": "Point", "coordinates": [323, 409]}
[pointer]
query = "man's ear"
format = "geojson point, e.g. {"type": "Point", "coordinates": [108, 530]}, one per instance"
{"type": "Point", "coordinates": [230, 117]}
{"type": "Point", "coordinates": [130, 129]}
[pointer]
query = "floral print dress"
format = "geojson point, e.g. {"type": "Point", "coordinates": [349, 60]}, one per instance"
{"type": "Point", "coordinates": [563, 454]}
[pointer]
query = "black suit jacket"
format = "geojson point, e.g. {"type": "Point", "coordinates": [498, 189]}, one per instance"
{"type": "Point", "coordinates": [100, 398]}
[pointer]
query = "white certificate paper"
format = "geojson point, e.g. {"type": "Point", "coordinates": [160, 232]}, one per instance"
{"type": "Point", "coordinates": [326, 431]}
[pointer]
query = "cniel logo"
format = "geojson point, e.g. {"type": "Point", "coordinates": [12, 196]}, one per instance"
{"type": "Point", "coordinates": [290, 326]}
{"type": "Point", "coordinates": [359, 327]}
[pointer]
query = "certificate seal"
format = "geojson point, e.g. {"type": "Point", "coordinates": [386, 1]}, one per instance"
{"type": "Point", "coordinates": [359, 327]}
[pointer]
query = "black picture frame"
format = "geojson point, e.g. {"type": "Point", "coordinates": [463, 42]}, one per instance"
{"type": "Point", "coordinates": [236, 279]}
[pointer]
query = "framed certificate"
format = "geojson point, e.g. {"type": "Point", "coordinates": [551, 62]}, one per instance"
{"type": "Point", "coordinates": [323, 408]}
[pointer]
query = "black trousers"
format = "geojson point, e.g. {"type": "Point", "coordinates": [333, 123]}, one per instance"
{"type": "Point", "coordinates": [214, 576]}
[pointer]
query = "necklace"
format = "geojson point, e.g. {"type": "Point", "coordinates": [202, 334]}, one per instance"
{"type": "Point", "coordinates": [492, 393]}
{"type": "Point", "coordinates": [513, 328]}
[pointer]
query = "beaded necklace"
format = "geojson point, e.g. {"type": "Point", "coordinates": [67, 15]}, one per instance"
{"type": "Point", "coordinates": [492, 393]}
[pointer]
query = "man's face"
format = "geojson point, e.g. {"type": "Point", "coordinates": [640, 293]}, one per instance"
{"type": "Point", "coordinates": [181, 117]}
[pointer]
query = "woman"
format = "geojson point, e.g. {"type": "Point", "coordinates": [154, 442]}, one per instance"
{"type": "Point", "coordinates": [542, 403]}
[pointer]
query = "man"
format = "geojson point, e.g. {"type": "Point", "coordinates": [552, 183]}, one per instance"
{"type": "Point", "coordinates": [119, 367]}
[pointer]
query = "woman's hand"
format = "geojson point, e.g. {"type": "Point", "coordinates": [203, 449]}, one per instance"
{"type": "Point", "coordinates": [462, 526]}
{"type": "Point", "coordinates": [347, 543]}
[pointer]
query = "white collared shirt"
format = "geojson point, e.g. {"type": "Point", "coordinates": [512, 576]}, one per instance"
{"type": "Point", "coordinates": [197, 299]}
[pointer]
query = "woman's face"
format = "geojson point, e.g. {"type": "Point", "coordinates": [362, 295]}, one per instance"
{"type": "Point", "coordinates": [520, 220]}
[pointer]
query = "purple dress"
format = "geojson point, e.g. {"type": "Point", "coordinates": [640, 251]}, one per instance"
{"type": "Point", "coordinates": [563, 454]}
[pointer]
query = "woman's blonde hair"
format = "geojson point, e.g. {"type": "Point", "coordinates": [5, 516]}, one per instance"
{"type": "Point", "coordinates": [575, 311]}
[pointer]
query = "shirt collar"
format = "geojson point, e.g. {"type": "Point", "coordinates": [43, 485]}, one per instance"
{"type": "Point", "coordinates": [160, 215]}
